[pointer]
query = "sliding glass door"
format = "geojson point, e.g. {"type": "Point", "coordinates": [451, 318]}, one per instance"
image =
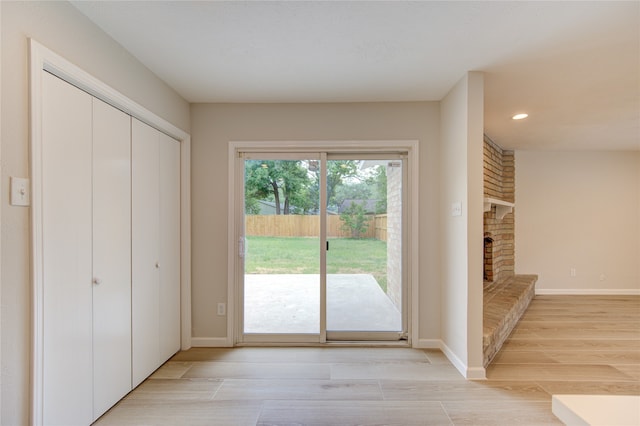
{"type": "Point", "coordinates": [322, 247]}
{"type": "Point", "coordinates": [364, 260]}
{"type": "Point", "coordinates": [282, 246]}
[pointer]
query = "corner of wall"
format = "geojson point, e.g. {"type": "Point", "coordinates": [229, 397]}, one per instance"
{"type": "Point", "coordinates": [462, 131]}
{"type": "Point", "coordinates": [470, 373]}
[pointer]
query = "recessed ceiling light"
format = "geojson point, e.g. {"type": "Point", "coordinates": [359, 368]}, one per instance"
{"type": "Point", "coordinates": [520, 116]}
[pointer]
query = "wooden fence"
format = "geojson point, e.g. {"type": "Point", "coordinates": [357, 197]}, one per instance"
{"type": "Point", "coordinates": [309, 226]}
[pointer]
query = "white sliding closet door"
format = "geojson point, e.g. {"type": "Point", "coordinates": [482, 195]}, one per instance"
{"type": "Point", "coordinates": [169, 246]}
{"type": "Point", "coordinates": [86, 228]}
{"type": "Point", "coordinates": [111, 255]}
{"type": "Point", "coordinates": [106, 222]}
{"type": "Point", "coordinates": [67, 249]}
{"type": "Point", "coordinates": [145, 157]}
{"type": "Point", "coordinates": [155, 248]}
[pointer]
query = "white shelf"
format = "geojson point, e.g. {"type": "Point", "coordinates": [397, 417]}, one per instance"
{"type": "Point", "coordinates": [502, 207]}
{"type": "Point", "coordinates": [597, 409]}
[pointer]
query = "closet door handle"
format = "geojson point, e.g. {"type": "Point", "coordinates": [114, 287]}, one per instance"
{"type": "Point", "coordinates": [157, 265]}
{"type": "Point", "coordinates": [97, 281]}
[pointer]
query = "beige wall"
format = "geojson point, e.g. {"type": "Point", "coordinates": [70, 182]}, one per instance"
{"type": "Point", "coordinates": [589, 202]}
{"type": "Point", "coordinates": [0, 218]}
{"type": "Point", "coordinates": [60, 27]}
{"type": "Point", "coordinates": [579, 210]}
{"type": "Point", "coordinates": [214, 125]}
{"type": "Point", "coordinates": [461, 236]}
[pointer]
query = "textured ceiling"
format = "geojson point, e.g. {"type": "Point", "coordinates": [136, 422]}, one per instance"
{"type": "Point", "coordinates": [573, 66]}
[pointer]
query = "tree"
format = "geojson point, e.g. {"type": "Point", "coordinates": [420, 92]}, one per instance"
{"type": "Point", "coordinates": [286, 182]}
{"type": "Point", "coordinates": [337, 172]}
{"type": "Point", "coordinates": [370, 184]}
{"type": "Point", "coordinates": [251, 206]}
{"type": "Point", "coordinates": [353, 191]}
{"type": "Point", "coordinates": [380, 181]}
{"type": "Point", "coordinates": [355, 220]}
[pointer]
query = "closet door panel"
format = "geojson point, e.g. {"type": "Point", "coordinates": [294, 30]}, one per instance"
{"type": "Point", "coordinates": [145, 155]}
{"type": "Point", "coordinates": [111, 255]}
{"type": "Point", "coordinates": [169, 246]}
{"type": "Point", "coordinates": [66, 236]}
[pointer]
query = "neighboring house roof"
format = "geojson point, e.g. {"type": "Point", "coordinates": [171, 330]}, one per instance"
{"type": "Point", "coordinates": [269, 207]}
{"type": "Point", "coordinates": [369, 205]}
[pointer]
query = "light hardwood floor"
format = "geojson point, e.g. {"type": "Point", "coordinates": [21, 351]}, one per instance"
{"type": "Point", "coordinates": [563, 344]}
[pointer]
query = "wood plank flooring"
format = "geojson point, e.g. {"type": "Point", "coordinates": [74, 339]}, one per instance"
{"type": "Point", "coordinates": [563, 344]}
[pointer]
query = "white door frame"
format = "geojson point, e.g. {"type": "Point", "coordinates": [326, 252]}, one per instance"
{"type": "Point", "coordinates": [234, 267]}
{"type": "Point", "coordinates": [42, 60]}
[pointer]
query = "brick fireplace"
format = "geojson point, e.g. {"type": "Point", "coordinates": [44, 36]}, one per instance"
{"type": "Point", "coordinates": [505, 295]}
{"type": "Point", "coordinates": [499, 233]}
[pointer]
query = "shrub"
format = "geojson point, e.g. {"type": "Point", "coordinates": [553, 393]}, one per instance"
{"type": "Point", "coordinates": [355, 220]}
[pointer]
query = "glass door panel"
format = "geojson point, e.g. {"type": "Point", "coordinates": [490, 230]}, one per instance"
{"type": "Point", "coordinates": [322, 247]}
{"type": "Point", "coordinates": [364, 259]}
{"type": "Point", "coordinates": [281, 245]}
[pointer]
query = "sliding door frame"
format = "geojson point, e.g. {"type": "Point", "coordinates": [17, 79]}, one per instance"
{"type": "Point", "coordinates": [373, 335]}
{"type": "Point", "coordinates": [250, 338]}
{"type": "Point", "coordinates": [236, 224]}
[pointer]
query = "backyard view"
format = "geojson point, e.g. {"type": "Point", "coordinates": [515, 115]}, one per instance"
{"type": "Point", "coordinates": [282, 246]}
{"type": "Point", "coordinates": [299, 255]}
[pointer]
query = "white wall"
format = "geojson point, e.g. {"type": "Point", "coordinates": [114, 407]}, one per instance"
{"type": "Point", "coordinates": [60, 27]}
{"type": "Point", "coordinates": [214, 125]}
{"type": "Point", "coordinates": [461, 236]}
{"type": "Point", "coordinates": [579, 210]}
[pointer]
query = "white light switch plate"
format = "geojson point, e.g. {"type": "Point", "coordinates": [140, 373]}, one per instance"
{"type": "Point", "coordinates": [20, 192]}
{"type": "Point", "coordinates": [456, 209]}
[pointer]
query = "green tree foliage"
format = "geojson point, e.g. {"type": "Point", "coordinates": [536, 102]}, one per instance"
{"type": "Point", "coordinates": [353, 191]}
{"type": "Point", "coordinates": [355, 220]}
{"type": "Point", "coordinates": [372, 186]}
{"type": "Point", "coordinates": [294, 185]}
{"type": "Point", "coordinates": [251, 206]}
{"type": "Point", "coordinates": [285, 182]}
{"type": "Point", "coordinates": [380, 181]}
{"type": "Point", "coordinates": [337, 172]}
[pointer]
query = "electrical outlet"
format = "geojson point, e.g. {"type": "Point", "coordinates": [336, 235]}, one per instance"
{"type": "Point", "coordinates": [222, 309]}
{"type": "Point", "coordinates": [572, 272]}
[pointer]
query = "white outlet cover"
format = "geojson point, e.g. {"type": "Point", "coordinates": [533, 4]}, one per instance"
{"type": "Point", "coordinates": [222, 309]}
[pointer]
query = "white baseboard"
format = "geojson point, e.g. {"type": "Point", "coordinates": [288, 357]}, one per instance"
{"type": "Point", "coordinates": [428, 344]}
{"type": "Point", "coordinates": [457, 362]}
{"type": "Point", "coordinates": [476, 373]}
{"type": "Point", "coordinates": [588, 291]}
{"type": "Point", "coordinates": [210, 342]}
{"type": "Point", "coordinates": [473, 373]}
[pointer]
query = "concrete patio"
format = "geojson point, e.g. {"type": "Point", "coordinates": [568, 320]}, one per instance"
{"type": "Point", "coordinates": [291, 304]}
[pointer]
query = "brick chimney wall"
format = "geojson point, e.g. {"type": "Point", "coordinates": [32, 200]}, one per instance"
{"type": "Point", "coordinates": [499, 183]}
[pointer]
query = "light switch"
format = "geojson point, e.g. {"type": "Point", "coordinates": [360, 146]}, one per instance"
{"type": "Point", "coordinates": [20, 192]}
{"type": "Point", "coordinates": [456, 209]}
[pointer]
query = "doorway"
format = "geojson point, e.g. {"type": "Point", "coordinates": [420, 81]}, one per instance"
{"type": "Point", "coordinates": [321, 247]}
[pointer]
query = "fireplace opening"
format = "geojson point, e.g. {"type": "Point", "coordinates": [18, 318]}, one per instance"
{"type": "Point", "coordinates": [488, 258]}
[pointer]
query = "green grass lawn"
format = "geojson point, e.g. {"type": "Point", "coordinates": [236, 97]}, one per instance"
{"type": "Point", "coordinates": [298, 255]}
